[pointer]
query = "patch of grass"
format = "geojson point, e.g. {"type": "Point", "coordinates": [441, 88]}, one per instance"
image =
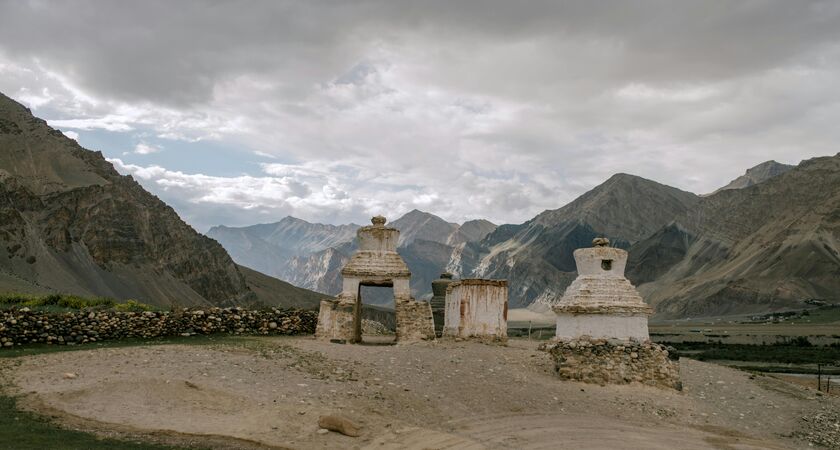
{"type": "Point", "coordinates": [67, 302]}
{"type": "Point", "coordinates": [824, 314]}
{"type": "Point", "coordinates": [787, 354]}
{"type": "Point", "coordinates": [132, 305]}
{"type": "Point", "coordinates": [22, 430]}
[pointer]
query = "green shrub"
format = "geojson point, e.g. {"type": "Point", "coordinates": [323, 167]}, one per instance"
{"type": "Point", "coordinates": [776, 353]}
{"type": "Point", "coordinates": [68, 301]}
{"type": "Point", "coordinates": [14, 299]}
{"type": "Point", "coordinates": [800, 341]}
{"type": "Point", "coordinates": [132, 305]}
{"type": "Point", "coordinates": [74, 302]}
{"type": "Point", "coordinates": [56, 300]}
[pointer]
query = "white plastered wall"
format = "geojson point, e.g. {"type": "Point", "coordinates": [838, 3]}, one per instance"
{"type": "Point", "coordinates": [601, 326]}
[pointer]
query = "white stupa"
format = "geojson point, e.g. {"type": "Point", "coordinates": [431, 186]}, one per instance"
{"type": "Point", "coordinates": [601, 303]}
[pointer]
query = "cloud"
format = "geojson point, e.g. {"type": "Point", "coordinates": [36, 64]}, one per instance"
{"type": "Point", "coordinates": [265, 155]}
{"type": "Point", "coordinates": [143, 148]}
{"type": "Point", "coordinates": [340, 193]}
{"type": "Point", "coordinates": [467, 109]}
{"type": "Point", "coordinates": [308, 195]}
{"type": "Point", "coordinates": [109, 123]}
{"type": "Point", "coordinates": [35, 100]}
{"type": "Point", "coordinates": [72, 135]}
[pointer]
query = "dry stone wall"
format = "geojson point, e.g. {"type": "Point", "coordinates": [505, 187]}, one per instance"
{"type": "Point", "coordinates": [414, 321]}
{"type": "Point", "coordinates": [18, 327]}
{"type": "Point", "coordinates": [335, 321]}
{"type": "Point", "coordinates": [615, 361]}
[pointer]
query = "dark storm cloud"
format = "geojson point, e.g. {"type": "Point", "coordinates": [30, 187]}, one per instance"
{"type": "Point", "coordinates": [177, 52]}
{"type": "Point", "coordinates": [527, 103]}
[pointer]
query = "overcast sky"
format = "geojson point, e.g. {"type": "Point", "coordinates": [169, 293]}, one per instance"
{"type": "Point", "coordinates": [244, 112]}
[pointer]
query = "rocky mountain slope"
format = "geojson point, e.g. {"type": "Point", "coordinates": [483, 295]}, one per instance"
{"type": "Point", "coordinates": [70, 223]}
{"type": "Point", "coordinates": [768, 246]}
{"type": "Point", "coordinates": [282, 249]}
{"type": "Point", "coordinates": [313, 255]}
{"type": "Point", "coordinates": [767, 242]}
{"type": "Point", "coordinates": [536, 257]}
{"type": "Point", "coordinates": [757, 174]}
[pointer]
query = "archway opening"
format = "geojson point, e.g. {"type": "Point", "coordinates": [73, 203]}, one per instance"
{"type": "Point", "coordinates": [375, 321]}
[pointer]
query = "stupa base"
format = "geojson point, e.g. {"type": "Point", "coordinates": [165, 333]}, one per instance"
{"type": "Point", "coordinates": [614, 361]}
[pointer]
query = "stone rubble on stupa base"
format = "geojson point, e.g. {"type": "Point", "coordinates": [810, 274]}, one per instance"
{"type": "Point", "coordinates": [614, 361]}
{"type": "Point", "coordinates": [375, 263]}
{"type": "Point", "coordinates": [476, 309]}
{"type": "Point", "coordinates": [602, 326]}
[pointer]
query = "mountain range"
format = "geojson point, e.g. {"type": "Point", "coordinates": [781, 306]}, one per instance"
{"type": "Point", "coordinates": [311, 255]}
{"type": "Point", "coordinates": [769, 240]}
{"type": "Point", "coordinates": [69, 223]}
{"type": "Point", "coordinates": [766, 241]}
{"type": "Point", "coordinates": [768, 246]}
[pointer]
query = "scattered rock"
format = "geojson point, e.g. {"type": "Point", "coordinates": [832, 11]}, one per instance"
{"type": "Point", "coordinates": [339, 424]}
{"type": "Point", "coordinates": [374, 328]}
{"type": "Point", "coordinates": [821, 428]}
{"type": "Point", "coordinates": [70, 376]}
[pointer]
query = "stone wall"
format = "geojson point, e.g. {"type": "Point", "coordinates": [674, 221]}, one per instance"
{"type": "Point", "coordinates": [18, 327]}
{"type": "Point", "coordinates": [385, 316]}
{"type": "Point", "coordinates": [414, 321]}
{"type": "Point", "coordinates": [614, 361]}
{"type": "Point", "coordinates": [336, 321]}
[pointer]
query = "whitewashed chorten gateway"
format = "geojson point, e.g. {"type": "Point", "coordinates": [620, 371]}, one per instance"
{"type": "Point", "coordinates": [601, 303]}
{"type": "Point", "coordinates": [375, 263]}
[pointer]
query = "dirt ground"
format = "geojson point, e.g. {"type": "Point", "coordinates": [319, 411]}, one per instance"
{"type": "Point", "coordinates": [270, 392]}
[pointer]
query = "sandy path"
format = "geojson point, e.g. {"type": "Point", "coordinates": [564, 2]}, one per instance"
{"type": "Point", "coordinates": [271, 391]}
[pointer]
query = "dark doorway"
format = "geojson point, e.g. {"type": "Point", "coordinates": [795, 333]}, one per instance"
{"type": "Point", "coordinates": [376, 305]}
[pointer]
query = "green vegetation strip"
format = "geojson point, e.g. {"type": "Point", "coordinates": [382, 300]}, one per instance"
{"type": "Point", "coordinates": [787, 354]}
{"type": "Point", "coordinates": [22, 430]}
{"type": "Point", "coordinates": [799, 370]}
{"type": "Point", "coordinates": [58, 302]}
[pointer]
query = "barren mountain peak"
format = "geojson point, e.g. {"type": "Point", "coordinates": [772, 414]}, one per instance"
{"type": "Point", "coordinates": [757, 174]}
{"type": "Point", "coordinates": [746, 250]}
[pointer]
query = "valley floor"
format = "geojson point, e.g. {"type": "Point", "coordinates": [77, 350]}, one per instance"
{"type": "Point", "coordinates": [269, 393]}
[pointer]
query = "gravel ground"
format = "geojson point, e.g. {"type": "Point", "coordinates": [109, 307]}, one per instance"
{"type": "Point", "coordinates": [270, 392]}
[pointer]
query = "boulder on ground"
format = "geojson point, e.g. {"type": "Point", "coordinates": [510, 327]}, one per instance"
{"type": "Point", "coordinates": [339, 424]}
